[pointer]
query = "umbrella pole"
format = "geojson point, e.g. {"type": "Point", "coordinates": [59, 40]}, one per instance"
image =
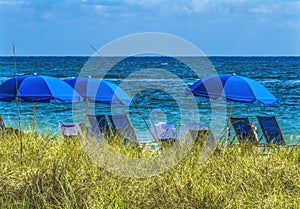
{"type": "Point", "coordinates": [34, 116]}
{"type": "Point", "coordinates": [86, 110]}
{"type": "Point", "coordinates": [228, 123]}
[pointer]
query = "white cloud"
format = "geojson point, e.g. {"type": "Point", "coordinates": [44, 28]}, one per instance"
{"type": "Point", "coordinates": [200, 6]}
{"type": "Point", "coordinates": [100, 8]}
{"type": "Point", "coordinates": [12, 3]}
{"type": "Point", "coordinates": [47, 15]}
{"type": "Point", "coordinates": [262, 9]}
{"type": "Point", "coordinates": [145, 3]}
{"type": "Point", "coordinates": [181, 8]}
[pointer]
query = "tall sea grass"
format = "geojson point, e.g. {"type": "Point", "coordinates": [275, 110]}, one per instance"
{"type": "Point", "coordinates": [53, 172]}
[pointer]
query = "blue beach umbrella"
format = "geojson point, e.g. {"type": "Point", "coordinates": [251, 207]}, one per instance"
{"type": "Point", "coordinates": [233, 88]}
{"type": "Point", "coordinates": [99, 91]}
{"type": "Point", "coordinates": [35, 88]}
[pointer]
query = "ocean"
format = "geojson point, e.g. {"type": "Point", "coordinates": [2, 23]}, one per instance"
{"type": "Point", "coordinates": [159, 102]}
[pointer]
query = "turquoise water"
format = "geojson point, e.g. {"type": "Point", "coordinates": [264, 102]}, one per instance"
{"type": "Point", "coordinates": [281, 75]}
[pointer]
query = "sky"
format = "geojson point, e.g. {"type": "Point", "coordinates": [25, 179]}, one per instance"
{"type": "Point", "coordinates": [217, 27]}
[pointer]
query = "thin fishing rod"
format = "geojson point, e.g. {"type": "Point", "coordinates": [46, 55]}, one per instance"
{"type": "Point", "coordinates": [152, 124]}
{"type": "Point", "coordinates": [17, 88]}
{"type": "Point", "coordinates": [17, 103]}
{"type": "Point", "coordinates": [134, 102]}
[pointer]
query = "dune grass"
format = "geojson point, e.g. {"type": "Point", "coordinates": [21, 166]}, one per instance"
{"type": "Point", "coordinates": [55, 173]}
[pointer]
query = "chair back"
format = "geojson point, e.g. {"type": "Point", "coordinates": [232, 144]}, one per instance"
{"type": "Point", "coordinates": [163, 131]}
{"type": "Point", "coordinates": [70, 129]}
{"type": "Point", "coordinates": [243, 130]}
{"type": "Point", "coordinates": [271, 130]}
{"type": "Point", "coordinates": [99, 124]}
{"type": "Point", "coordinates": [123, 128]}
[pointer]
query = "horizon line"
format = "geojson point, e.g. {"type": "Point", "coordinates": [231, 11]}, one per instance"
{"type": "Point", "coordinates": [153, 56]}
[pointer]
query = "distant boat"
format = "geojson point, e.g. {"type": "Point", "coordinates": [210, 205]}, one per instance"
{"type": "Point", "coordinates": [164, 63]}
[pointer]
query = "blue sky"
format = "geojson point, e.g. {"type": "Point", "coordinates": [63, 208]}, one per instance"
{"type": "Point", "coordinates": [217, 27]}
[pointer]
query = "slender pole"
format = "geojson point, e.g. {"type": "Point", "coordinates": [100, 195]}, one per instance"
{"type": "Point", "coordinates": [228, 123]}
{"type": "Point", "coordinates": [17, 88]}
{"type": "Point", "coordinates": [17, 103]}
{"type": "Point", "coordinates": [86, 110]}
{"type": "Point", "coordinates": [34, 116]}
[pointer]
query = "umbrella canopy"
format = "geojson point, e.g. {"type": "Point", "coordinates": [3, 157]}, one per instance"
{"type": "Point", "coordinates": [99, 91]}
{"type": "Point", "coordinates": [233, 88]}
{"type": "Point", "coordinates": [35, 88]}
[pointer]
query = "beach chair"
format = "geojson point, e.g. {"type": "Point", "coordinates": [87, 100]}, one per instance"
{"type": "Point", "coordinates": [202, 137]}
{"type": "Point", "coordinates": [165, 134]}
{"type": "Point", "coordinates": [244, 131]}
{"type": "Point", "coordinates": [69, 130]}
{"type": "Point", "coordinates": [2, 124]}
{"type": "Point", "coordinates": [122, 128]}
{"type": "Point", "coordinates": [195, 130]}
{"type": "Point", "coordinates": [206, 136]}
{"type": "Point", "coordinates": [99, 125]}
{"type": "Point", "coordinates": [272, 132]}
{"type": "Point", "coordinates": [8, 130]}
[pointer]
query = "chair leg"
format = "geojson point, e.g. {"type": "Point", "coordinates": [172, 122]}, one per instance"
{"type": "Point", "coordinates": [232, 140]}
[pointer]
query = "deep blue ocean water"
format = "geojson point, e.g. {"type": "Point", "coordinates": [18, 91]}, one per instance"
{"type": "Point", "coordinates": [281, 75]}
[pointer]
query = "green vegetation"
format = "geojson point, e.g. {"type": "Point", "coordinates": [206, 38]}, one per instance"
{"type": "Point", "coordinates": [57, 173]}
